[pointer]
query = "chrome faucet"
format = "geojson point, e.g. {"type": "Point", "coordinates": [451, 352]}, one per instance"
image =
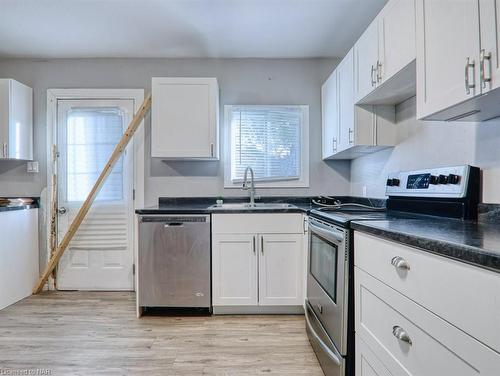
{"type": "Point", "coordinates": [252, 185]}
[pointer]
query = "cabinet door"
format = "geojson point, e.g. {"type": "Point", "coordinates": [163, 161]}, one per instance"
{"type": "Point", "coordinates": [184, 118]}
{"type": "Point", "coordinates": [490, 45]}
{"type": "Point", "coordinates": [447, 39]}
{"type": "Point", "coordinates": [280, 269]}
{"type": "Point", "coordinates": [234, 269]}
{"type": "Point", "coordinates": [396, 37]}
{"type": "Point", "coordinates": [345, 77]}
{"type": "Point", "coordinates": [330, 115]}
{"type": "Point", "coordinates": [365, 62]}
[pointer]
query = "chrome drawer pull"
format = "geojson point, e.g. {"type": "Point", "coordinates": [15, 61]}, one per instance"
{"type": "Point", "coordinates": [401, 334]}
{"type": "Point", "coordinates": [400, 263]}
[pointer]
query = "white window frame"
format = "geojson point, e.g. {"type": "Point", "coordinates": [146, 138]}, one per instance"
{"type": "Point", "coordinates": [302, 182]}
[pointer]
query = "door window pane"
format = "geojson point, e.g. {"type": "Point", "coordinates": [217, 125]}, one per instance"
{"type": "Point", "coordinates": [92, 134]}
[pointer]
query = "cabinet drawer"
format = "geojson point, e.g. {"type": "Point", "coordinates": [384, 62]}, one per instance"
{"type": "Point", "coordinates": [463, 295]}
{"type": "Point", "coordinates": [410, 340]}
{"type": "Point", "coordinates": [367, 364]}
{"type": "Point", "coordinates": [278, 223]}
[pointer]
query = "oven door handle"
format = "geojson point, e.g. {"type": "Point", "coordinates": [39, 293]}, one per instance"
{"type": "Point", "coordinates": [320, 342]}
{"type": "Point", "coordinates": [326, 233]}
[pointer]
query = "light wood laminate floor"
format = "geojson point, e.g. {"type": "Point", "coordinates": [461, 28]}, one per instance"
{"type": "Point", "coordinates": [97, 333]}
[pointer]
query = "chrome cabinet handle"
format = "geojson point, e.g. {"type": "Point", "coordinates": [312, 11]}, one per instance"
{"type": "Point", "coordinates": [400, 263]}
{"type": "Point", "coordinates": [261, 244]}
{"type": "Point", "coordinates": [371, 76]}
{"type": "Point", "coordinates": [468, 66]}
{"type": "Point", "coordinates": [5, 150]}
{"type": "Point", "coordinates": [253, 247]}
{"type": "Point", "coordinates": [351, 132]}
{"type": "Point", "coordinates": [334, 145]}
{"type": "Point", "coordinates": [401, 334]}
{"type": "Point", "coordinates": [379, 71]}
{"type": "Point", "coordinates": [482, 57]}
{"type": "Point", "coordinates": [62, 210]}
{"type": "Point", "coordinates": [211, 150]}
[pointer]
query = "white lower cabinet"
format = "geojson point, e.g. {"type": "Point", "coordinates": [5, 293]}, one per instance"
{"type": "Point", "coordinates": [395, 335]}
{"type": "Point", "coordinates": [234, 266]}
{"type": "Point", "coordinates": [252, 267]}
{"type": "Point", "coordinates": [280, 269]}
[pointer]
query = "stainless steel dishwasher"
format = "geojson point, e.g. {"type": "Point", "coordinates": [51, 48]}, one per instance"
{"type": "Point", "coordinates": [174, 261]}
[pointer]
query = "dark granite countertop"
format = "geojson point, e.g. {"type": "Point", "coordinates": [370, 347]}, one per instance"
{"type": "Point", "coordinates": [18, 207]}
{"type": "Point", "coordinates": [476, 243]}
{"type": "Point", "coordinates": [201, 205]}
{"type": "Point", "coordinates": [33, 205]}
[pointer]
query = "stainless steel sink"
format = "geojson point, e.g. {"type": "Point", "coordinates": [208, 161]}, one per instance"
{"type": "Point", "coordinates": [247, 206]}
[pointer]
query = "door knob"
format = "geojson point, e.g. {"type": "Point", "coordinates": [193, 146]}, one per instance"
{"type": "Point", "coordinates": [62, 210]}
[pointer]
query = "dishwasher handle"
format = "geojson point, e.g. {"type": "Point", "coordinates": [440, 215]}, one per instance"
{"type": "Point", "coordinates": [173, 224]}
{"type": "Point", "coordinates": [175, 220]}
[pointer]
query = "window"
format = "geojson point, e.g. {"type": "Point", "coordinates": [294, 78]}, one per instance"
{"type": "Point", "coordinates": [273, 140]}
{"type": "Point", "coordinates": [92, 135]}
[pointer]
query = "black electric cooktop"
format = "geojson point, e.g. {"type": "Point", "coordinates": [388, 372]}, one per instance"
{"type": "Point", "coordinates": [343, 217]}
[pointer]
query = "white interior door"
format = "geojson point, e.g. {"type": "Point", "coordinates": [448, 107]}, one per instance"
{"type": "Point", "coordinates": [100, 256]}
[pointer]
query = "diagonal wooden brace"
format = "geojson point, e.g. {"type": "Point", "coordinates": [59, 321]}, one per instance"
{"type": "Point", "coordinates": [80, 216]}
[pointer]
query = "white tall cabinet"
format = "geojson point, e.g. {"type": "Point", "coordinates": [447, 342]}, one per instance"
{"type": "Point", "coordinates": [185, 118]}
{"type": "Point", "coordinates": [16, 120]}
{"type": "Point", "coordinates": [257, 261]}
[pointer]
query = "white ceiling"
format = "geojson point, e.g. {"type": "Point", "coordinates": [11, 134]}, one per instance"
{"type": "Point", "coordinates": [182, 28]}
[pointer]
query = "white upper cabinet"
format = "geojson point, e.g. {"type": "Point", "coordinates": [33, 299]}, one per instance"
{"type": "Point", "coordinates": [458, 43]}
{"type": "Point", "coordinates": [185, 118]}
{"type": "Point", "coordinates": [366, 61]}
{"type": "Point", "coordinates": [351, 131]}
{"type": "Point", "coordinates": [490, 45]}
{"type": "Point", "coordinates": [447, 54]}
{"type": "Point", "coordinates": [385, 55]}
{"type": "Point", "coordinates": [330, 115]}
{"type": "Point", "coordinates": [346, 109]}
{"type": "Point", "coordinates": [396, 25]}
{"type": "Point", "coordinates": [16, 120]}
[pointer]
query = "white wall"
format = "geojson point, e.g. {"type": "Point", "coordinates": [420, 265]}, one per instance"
{"type": "Point", "coordinates": [429, 144]}
{"type": "Point", "coordinates": [241, 81]}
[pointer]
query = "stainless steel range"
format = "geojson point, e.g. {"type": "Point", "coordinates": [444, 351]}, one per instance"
{"type": "Point", "coordinates": [447, 191]}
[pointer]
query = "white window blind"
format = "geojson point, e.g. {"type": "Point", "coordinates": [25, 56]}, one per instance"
{"type": "Point", "coordinates": [92, 134]}
{"type": "Point", "coordinates": [268, 139]}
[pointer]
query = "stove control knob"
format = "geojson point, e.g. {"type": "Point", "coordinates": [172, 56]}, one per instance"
{"type": "Point", "coordinates": [389, 182]}
{"type": "Point", "coordinates": [395, 182]}
{"type": "Point", "coordinates": [453, 179]}
{"type": "Point", "coordinates": [443, 179]}
{"type": "Point", "coordinates": [433, 180]}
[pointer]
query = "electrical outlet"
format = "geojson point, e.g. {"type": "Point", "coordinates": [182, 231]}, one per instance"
{"type": "Point", "coordinates": [32, 167]}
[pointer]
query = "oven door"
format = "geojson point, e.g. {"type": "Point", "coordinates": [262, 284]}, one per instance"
{"type": "Point", "coordinates": [327, 279]}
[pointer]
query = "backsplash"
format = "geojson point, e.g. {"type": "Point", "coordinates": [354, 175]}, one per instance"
{"type": "Point", "coordinates": [431, 144]}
